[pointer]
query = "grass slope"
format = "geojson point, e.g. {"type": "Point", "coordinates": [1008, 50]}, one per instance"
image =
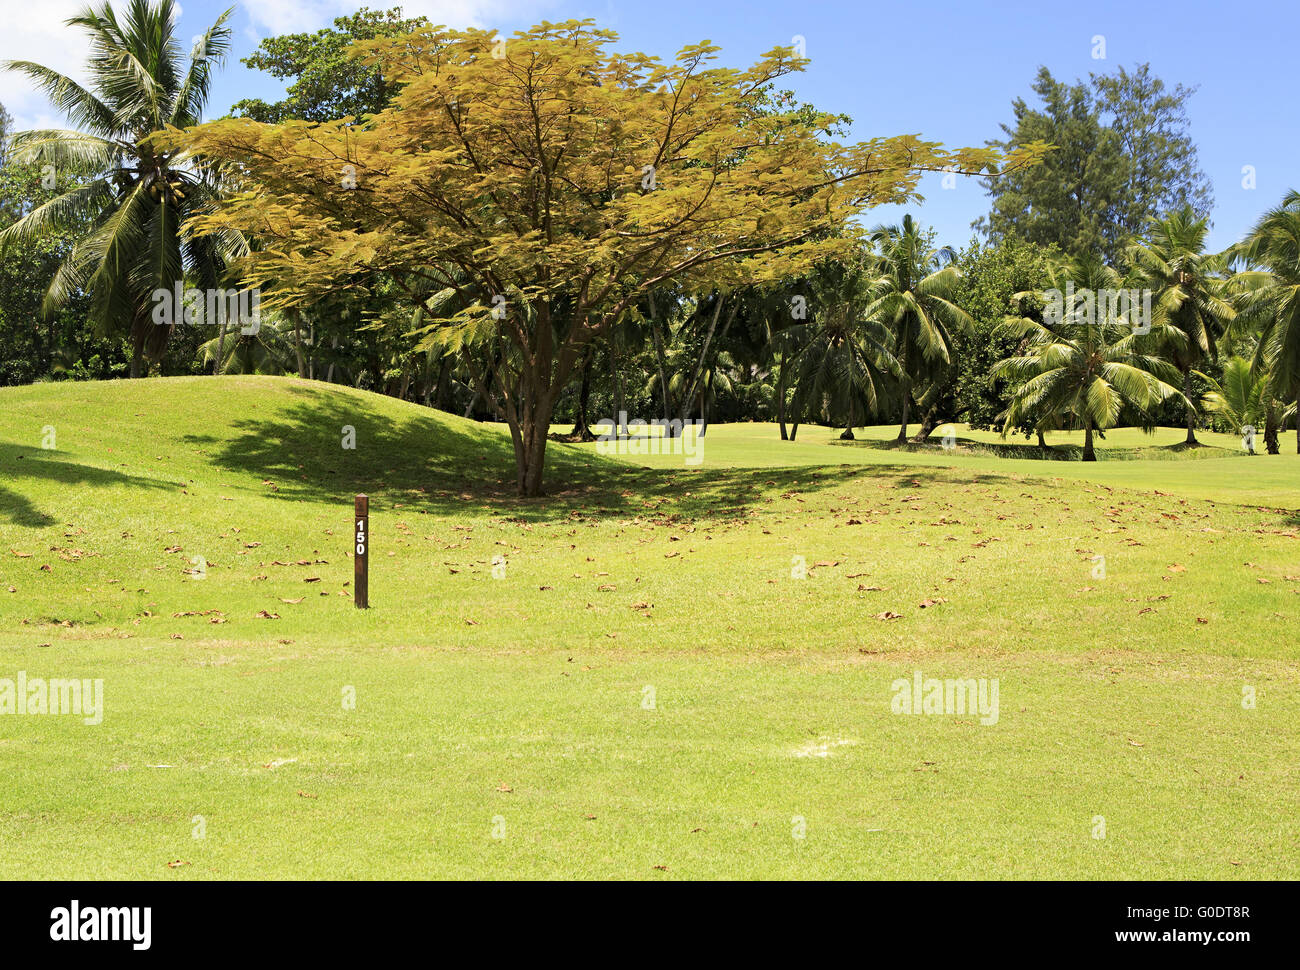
{"type": "Point", "coordinates": [647, 684]}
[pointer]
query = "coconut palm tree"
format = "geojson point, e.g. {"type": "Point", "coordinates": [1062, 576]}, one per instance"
{"type": "Point", "coordinates": [715, 379]}
{"type": "Point", "coordinates": [838, 363]}
{"type": "Point", "coordinates": [1243, 398]}
{"type": "Point", "coordinates": [841, 366]}
{"type": "Point", "coordinates": [1191, 294]}
{"type": "Point", "coordinates": [1080, 366]}
{"type": "Point", "coordinates": [912, 295]}
{"type": "Point", "coordinates": [268, 349]}
{"type": "Point", "coordinates": [129, 198]}
{"type": "Point", "coordinates": [1271, 299]}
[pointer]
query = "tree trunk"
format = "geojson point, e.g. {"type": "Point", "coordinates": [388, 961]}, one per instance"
{"type": "Point", "coordinates": [619, 427]}
{"type": "Point", "coordinates": [582, 421]}
{"type": "Point", "coordinates": [1042, 442]}
{"type": "Point", "coordinates": [1191, 411]}
{"type": "Point", "coordinates": [1297, 424]}
{"type": "Point", "coordinates": [442, 390]}
{"type": "Point", "coordinates": [528, 431]}
{"type": "Point", "coordinates": [907, 389]}
{"type": "Point", "coordinates": [1088, 453]}
{"type": "Point", "coordinates": [297, 344]}
{"type": "Point", "coordinates": [534, 462]}
{"type": "Point", "coordinates": [902, 428]}
{"type": "Point", "coordinates": [794, 429]}
{"type": "Point", "coordinates": [1271, 443]}
{"type": "Point", "coordinates": [661, 360]}
{"type": "Point", "coordinates": [780, 398]}
{"type": "Point", "coordinates": [137, 354]}
{"type": "Point", "coordinates": [929, 422]}
{"type": "Point", "coordinates": [697, 373]}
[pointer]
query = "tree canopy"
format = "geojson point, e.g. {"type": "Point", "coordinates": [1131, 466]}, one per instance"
{"type": "Point", "coordinates": [557, 182]}
{"type": "Point", "coordinates": [1122, 155]}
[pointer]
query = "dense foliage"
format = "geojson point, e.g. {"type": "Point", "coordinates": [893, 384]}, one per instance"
{"type": "Point", "coordinates": [540, 230]}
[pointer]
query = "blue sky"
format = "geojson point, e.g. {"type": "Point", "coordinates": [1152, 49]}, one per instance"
{"type": "Point", "coordinates": [948, 72]}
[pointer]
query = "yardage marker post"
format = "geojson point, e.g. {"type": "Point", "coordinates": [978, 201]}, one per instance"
{"type": "Point", "coordinates": [361, 585]}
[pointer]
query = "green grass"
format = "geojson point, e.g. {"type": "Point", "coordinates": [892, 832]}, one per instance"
{"type": "Point", "coordinates": [1119, 696]}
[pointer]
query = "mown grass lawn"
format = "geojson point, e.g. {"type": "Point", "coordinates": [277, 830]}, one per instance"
{"type": "Point", "coordinates": [644, 683]}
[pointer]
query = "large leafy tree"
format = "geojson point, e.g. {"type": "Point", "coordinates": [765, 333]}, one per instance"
{"type": "Point", "coordinates": [1191, 294]}
{"type": "Point", "coordinates": [1272, 299]}
{"type": "Point", "coordinates": [325, 83]}
{"type": "Point", "coordinates": [1150, 119]}
{"type": "Point", "coordinates": [566, 180]}
{"type": "Point", "coordinates": [1122, 154]}
{"type": "Point", "coordinates": [912, 296]}
{"type": "Point", "coordinates": [1082, 367]}
{"type": "Point", "coordinates": [32, 346]}
{"type": "Point", "coordinates": [132, 195]}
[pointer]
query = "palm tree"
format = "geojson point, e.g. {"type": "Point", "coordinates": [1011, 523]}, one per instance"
{"type": "Point", "coordinates": [840, 365]}
{"type": "Point", "coordinates": [268, 350]}
{"type": "Point", "coordinates": [1081, 365]}
{"type": "Point", "coordinates": [715, 379]}
{"type": "Point", "coordinates": [912, 296]}
{"type": "Point", "coordinates": [1272, 299]}
{"type": "Point", "coordinates": [130, 198]}
{"type": "Point", "coordinates": [1190, 293]}
{"type": "Point", "coordinates": [1243, 398]}
{"type": "Point", "coordinates": [837, 363]}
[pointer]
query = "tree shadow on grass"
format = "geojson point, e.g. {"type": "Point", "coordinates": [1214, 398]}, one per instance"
{"type": "Point", "coordinates": [19, 462]}
{"type": "Point", "coordinates": [426, 461]}
{"type": "Point", "coordinates": [1031, 451]}
{"type": "Point", "coordinates": [326, 447]}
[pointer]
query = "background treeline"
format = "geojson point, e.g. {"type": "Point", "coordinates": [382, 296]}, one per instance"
{"type": "Point", "coordinates": [904, 331]}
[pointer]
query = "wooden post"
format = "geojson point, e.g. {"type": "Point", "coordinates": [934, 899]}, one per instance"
{"type": "Point", "coordinates": [361, 557]}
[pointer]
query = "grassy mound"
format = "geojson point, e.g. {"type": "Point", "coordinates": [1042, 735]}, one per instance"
{"type": "Point", "coordinates": [656, 665]}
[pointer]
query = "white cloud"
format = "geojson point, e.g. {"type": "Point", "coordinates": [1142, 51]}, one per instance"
{"type": "Point", "coordinates": [37, 32]}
